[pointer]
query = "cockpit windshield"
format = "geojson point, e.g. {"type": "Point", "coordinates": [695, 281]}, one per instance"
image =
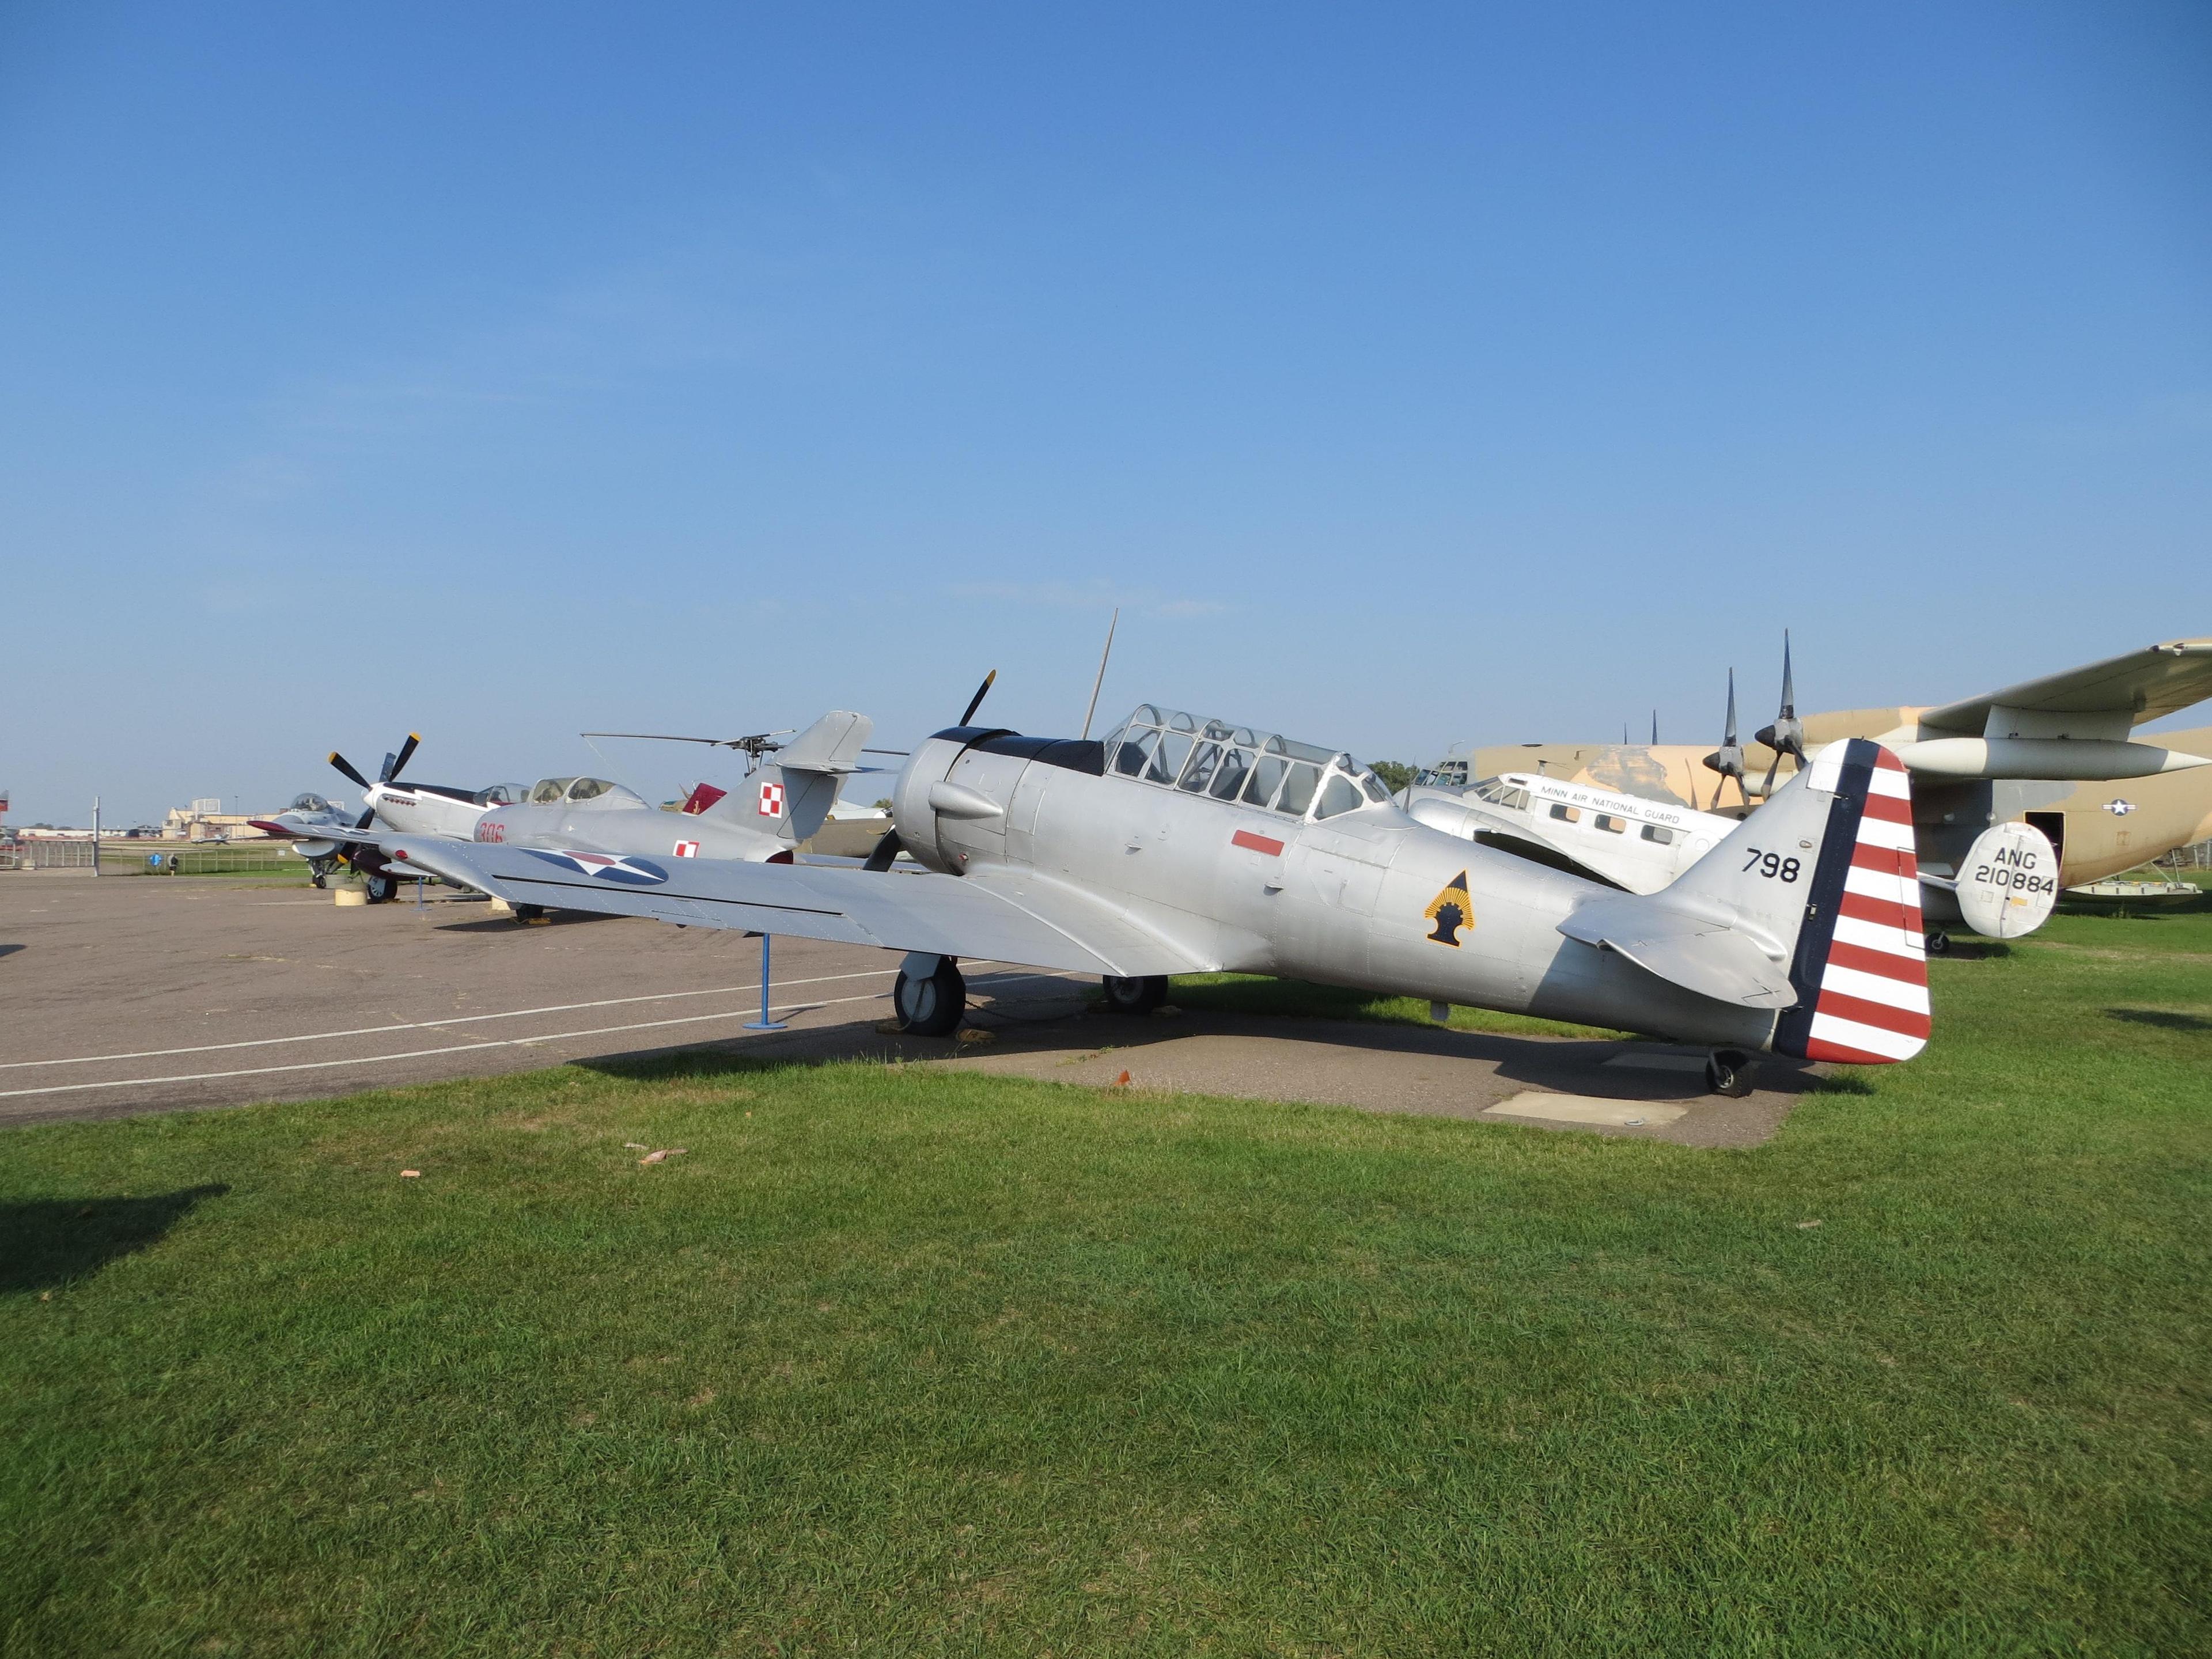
{"type": "Point", "coordinates": [1172, 749]}
{"type": "Point", "coordinates": [309, 802]}
{"type": "Point", "coordinates": [546, 791]}
{"type": "Point", "coordinates": [1444, 774]}
{"type": "Point", "coordinates": [502, 794]}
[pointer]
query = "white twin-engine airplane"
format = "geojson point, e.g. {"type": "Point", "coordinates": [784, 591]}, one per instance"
{"type": "Point", "coordinates": [1182, 846]}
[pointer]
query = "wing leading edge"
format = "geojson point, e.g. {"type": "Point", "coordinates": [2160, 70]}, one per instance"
{"type": "Point", "coordinates": [998, 915]}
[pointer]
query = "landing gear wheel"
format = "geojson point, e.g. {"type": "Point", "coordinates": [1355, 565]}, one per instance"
{"type": "Point", "coordinates": [931, 1005]}
{"type": "Point", "coordinates": [1136, 996]}
{"type": "Point", "coordinates": [1728, 1071]}
{"type": "Point", "coordinates": [529, 912]}
{"type": "Point", "coordinates": [1937, 942]}
{"type": "Point", "coordinates": [316, 876]}
{"type": "Point", "coordinates": [381, 887]}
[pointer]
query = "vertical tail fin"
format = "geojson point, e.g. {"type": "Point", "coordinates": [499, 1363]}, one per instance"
{"type": "Point", "coordinates": [1860, 969]}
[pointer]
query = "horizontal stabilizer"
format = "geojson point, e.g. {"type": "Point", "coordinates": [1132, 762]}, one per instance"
{"type": "Point", "coordinates": [1810, 906]}
{"type": "Point", "coordinates": [1708, 958]}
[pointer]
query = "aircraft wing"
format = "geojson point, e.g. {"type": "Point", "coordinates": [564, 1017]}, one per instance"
{"type": "Point", "coordinates": [2149, 683]}
{"type": "Point", "coordinates": [1001, 915]}
{"type": "Point", "coordinates": [284, 824]}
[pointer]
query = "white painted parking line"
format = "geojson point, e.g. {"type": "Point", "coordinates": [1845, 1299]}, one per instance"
{"type": "Point", "coordinates": [431, 1024]}
{"type": "Point", "coordinates": [475, 1047]}
{"type": "Point", "coordinates": [421, 1054]}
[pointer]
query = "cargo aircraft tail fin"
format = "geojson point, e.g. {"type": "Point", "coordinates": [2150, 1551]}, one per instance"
{"type": "Point", "coordinates": [1811, 906]}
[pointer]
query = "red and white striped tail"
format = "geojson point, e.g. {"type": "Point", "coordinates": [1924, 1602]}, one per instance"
{"type": "Point", "coordinates": [1861, 970]}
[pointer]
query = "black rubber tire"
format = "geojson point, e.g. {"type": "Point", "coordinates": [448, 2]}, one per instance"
{"type": "Point", "coordinates": [528, 912]}
{"type": "Point", "coordinates": [1136, 996]}
{"type": "Point", "coordinates": [380, 887]}
{"type": "Point", "coordinates": [931, 1006]}
{"type": "Point", "coordinates": [1937, 943]}
{"type": "Point", "coordinates": [1728, 1073]}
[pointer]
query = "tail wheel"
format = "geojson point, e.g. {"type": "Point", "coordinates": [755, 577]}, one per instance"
{"type": "Point", "coordinates": [1728, 1071]}
{"type": "Point", "coordinates": [1136, 996]}
{"type": "Point", "coordinates": [1937, 943]}
{"type": "Point", "coordinates": [931, 1005]}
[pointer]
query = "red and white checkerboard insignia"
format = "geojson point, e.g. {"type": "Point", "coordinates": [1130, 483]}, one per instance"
{"type": "Point", "coordinates": [687, 849]}
{"type": "Point", "coordinates": [771, 804]}
{"type": "Point", "coordinates": [1873, 995]}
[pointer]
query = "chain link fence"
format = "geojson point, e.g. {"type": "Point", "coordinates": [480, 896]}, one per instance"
{"type": "Point", "coordinates": [119, 856]}
{"type": "Point", "coordinates": [2197, 855]}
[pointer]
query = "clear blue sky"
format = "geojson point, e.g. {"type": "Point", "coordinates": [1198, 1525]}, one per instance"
{"type": "Point", "coordinates": [1407, 374]}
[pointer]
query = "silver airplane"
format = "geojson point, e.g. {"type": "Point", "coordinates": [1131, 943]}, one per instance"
{"type": "Point", "coordinates": [1178, 845]}
{"type": "Point", "coordinates": [327, 838]}
{"type": "Point", "coordinates": [599, 823]}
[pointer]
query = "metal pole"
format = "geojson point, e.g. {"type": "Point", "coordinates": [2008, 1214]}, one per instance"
{"type": "Point", "coordinates": [95, 835]}
{"type": "Point", "coordinates": [764, 1023]}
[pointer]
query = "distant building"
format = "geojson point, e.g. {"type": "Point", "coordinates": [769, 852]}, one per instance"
{"type": "Point", "coordinates": [203, 821]}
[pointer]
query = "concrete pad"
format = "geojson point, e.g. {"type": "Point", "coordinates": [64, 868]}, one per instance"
{"type": "Point", "coordinates": [1376, 1067]}
{"type": "Point", "coordinates": [1587, 1108]}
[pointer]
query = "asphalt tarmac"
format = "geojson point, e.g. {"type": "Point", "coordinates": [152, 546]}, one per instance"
{"type": "Point", "coordinates": [131, 994]}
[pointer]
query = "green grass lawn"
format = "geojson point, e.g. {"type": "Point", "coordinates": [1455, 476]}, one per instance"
{"type": "Point", "coordinates": [898, 1361]}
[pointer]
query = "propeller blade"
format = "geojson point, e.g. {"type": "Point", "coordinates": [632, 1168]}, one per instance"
{"type": "Point", "coordinates": [346, 767]}
{"type": "Point", "coordinates": [399, 762]}
{"type": "Point", "coordinates": [385, 776]}
{"type": "Point", "coordinates": [1729, 740]}
{"type": "Point", "coordinates": [976, 701]}
{"type": "Point", "coordinates": [1788, 693]}
{"type": "Point", "coordinates": [885, 850]}
{"type": "Point", "coordinates": [1654, 728]}
{"type": "Point", "coordinates": [1767, 789]}
{"type": "Point", "coordinates": [363, 821]}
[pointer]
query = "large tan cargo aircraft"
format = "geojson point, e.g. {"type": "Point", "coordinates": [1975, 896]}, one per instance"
{"type": "Point", "coordinates": [2058, 753]}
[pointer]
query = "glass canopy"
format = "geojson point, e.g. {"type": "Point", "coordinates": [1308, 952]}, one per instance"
{"type": "Point", "coordinates": [1174, 750]}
